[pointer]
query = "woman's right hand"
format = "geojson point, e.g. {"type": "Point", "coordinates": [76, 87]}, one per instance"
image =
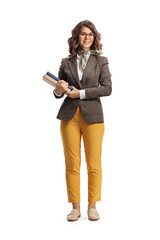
{"type": "Point", "coordinates": [61, 86]}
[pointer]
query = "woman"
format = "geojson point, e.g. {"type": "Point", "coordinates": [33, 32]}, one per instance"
{"type": "Point", "coordinates": [81, 113]}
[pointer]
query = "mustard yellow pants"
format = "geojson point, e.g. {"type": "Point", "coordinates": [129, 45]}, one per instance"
{"type": "Point", "coordinates": [71, 132]}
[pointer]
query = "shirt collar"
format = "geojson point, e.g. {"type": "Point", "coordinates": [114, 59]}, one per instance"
{"type": "Point", "coordinates": [78, 56]}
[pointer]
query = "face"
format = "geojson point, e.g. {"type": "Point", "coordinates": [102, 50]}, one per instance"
{"type": "Point", "coordinates": [86, 38]}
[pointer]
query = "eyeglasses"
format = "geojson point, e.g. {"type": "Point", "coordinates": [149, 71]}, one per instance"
{"type": "Point", "coordinates": [84, 35]}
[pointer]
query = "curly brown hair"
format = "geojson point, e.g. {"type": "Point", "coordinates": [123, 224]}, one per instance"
{"type": "Point", "coordinates": [73, 41]}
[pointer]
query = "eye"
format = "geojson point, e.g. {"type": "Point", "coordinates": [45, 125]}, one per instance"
{"type": "Point", "coordinates": [91, 34]}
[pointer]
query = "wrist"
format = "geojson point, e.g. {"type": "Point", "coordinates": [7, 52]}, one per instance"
{"type": "Point", "coordinates": [58, 92]}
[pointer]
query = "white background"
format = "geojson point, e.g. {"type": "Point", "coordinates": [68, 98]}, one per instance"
{"type": "Point", "coordinates": [33, 201]}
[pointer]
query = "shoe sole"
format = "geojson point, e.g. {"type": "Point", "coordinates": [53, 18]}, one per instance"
{"type": "Point", "coordinates": [93, 219]}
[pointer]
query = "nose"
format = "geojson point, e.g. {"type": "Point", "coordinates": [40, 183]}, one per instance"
{"type": "Point", "coordinates": [87, 36]}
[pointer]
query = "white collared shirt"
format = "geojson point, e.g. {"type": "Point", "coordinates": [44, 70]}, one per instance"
{"type": "Point", "coordinates": [80, 74]}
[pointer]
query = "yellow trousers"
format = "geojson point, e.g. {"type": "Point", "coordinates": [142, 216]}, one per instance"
{"type": "Point", "coordinates": [71, 132]}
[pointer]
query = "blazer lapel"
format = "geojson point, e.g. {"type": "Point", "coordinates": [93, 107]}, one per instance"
{"type": "Point", "coordinates": [73, 67]}
{"type": "Point", "coordinates": [92, 61]}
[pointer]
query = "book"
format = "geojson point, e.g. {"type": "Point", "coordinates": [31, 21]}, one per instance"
{"type": "Point", "coordinates": [52, 79]}
{"type": "Point", "coordinates": [49, 80]}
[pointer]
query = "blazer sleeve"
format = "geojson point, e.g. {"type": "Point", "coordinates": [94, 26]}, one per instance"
{"type": "Point", "coordinates": [105, 87]}
{"type": "Point", "coordinates": [61, 76]}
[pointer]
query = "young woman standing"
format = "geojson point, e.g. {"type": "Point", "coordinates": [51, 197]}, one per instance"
{"type": "Point", "coordinates": [81, 113]}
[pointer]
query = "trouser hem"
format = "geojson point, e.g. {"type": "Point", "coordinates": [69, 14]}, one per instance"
{"type": "Point", "coordinates": [94, 200]}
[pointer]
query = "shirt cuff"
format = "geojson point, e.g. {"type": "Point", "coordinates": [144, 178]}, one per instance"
{"type": "Point", "coordinates": [82, 93]}
{"type": "Point", "coordinates": [58, 94]}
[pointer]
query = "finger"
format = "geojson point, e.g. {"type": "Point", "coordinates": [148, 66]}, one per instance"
{"type": "Point", "coordinates": [62, 81]}
{"type": "Point", "coordinates": [65, 83]}
{"type": "Point", "coordinates": [67, 92]}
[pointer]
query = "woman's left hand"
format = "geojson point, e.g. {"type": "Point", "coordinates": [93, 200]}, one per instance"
{"type": "Point", "coordinates": [74, 93]}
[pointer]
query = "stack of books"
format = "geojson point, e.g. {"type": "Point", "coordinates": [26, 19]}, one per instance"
{"type": "Point", "coordinates": [52, 80]}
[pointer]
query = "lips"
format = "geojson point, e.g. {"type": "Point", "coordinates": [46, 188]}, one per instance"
{"type": "Point", "coordinates": [86, 42]}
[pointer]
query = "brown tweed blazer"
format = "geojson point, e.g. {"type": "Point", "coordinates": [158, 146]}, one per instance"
{"type": "Point", "coordinates": [96, 81]}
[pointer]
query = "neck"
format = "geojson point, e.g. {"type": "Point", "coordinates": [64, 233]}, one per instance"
{"type": "Point", "coordinates": [85, 49]}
